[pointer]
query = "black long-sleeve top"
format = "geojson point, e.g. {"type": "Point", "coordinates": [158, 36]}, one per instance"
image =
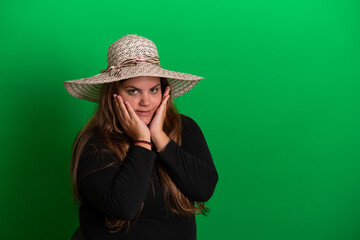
{"type": "Point", "coordinates": [119, 191]}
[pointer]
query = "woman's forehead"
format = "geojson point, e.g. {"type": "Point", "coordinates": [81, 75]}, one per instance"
{"type": "Point", "coordinates": [140, 82]}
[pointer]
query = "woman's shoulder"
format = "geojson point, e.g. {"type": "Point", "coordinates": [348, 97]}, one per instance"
{"type": "Point", "coordinates": [188, 123]}
{"type": "Point", "coordinates": [95, 152]}
{"type": "Point", "coordinates": [186, 119]}
{"type": "Point", "coordinates": [94, 143]}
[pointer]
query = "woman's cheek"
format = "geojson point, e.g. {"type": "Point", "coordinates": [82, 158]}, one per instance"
{"type": "Point", "coordinates": [131, 102]}
{"type": "Point", "coordinates": [159, 101]}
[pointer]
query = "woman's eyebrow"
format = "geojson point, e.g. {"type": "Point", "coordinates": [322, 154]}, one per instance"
{"type": "Point", "coordinates": [132, 87]}
{"type": "Point", "coordinates": [156, 85]}
{"type": "Point", "coordinates": [140, 89]}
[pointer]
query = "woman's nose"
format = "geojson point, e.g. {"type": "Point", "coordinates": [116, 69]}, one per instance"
{"type": "Point", "coordinates": [145, 100]}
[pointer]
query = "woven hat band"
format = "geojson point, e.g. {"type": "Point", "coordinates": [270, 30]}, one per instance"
{"type": "Point", "coordinates": [115, 70]}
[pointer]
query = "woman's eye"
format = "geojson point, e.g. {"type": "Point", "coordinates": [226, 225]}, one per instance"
{"type": "Point", "coordinates": [132, 91]}
{"type": "Point", "coordinates": [154, 90]}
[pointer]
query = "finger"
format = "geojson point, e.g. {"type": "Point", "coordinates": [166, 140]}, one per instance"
{"type": "Point", "coordinates": [131, 111]}
{"type": "Point", "coordinates": [123, 109]}
{"type": "Point", "coordinates": [164, 102]}
{"type": "Point", "coordinates": [167, 91]}
{"type": "Point", "coordinates": [117, 108]}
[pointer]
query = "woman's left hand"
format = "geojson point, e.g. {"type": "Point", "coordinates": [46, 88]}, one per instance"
{"type": "Point", "coordinates": [157, 123]}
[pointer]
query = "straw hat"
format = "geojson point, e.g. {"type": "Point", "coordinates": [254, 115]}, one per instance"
{"type": "Point", "coordinates": [130, 56]}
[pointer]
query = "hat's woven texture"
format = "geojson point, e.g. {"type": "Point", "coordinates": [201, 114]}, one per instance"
{"type": "Point", "coordinates": [130, 56]}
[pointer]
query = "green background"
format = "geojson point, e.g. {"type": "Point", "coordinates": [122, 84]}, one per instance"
{"type": "Point", "coordinates": [279, 107]}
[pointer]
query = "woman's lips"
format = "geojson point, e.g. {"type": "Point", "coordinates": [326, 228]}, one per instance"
{"type": "Point", "coordinates": [143, 113]}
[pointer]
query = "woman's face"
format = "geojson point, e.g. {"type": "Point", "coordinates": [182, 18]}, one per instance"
{"type": "Point", "coordinates": [143, 94]}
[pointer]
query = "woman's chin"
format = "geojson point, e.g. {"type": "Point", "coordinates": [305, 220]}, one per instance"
{"type": "Point", "coordinates": [146, 121]}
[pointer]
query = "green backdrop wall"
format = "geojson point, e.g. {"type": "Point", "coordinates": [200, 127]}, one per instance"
{"type": "Point", "coordinates": [279, 107]}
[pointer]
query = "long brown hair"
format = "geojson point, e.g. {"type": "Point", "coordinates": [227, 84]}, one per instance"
{"type": "Point", "coordinates": [105, 122]}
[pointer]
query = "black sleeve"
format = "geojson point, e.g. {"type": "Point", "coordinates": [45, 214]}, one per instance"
{"type": "Point", "coordinates": [190, 165]}
{"type": "Point", "coordinates": [117, 191]}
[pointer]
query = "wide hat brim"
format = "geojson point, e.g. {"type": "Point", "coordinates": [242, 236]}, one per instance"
{"type": "Point", "coordinates": [90, 88]}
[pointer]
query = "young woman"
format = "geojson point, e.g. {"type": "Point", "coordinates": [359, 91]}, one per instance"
{"type": "Point", "coordinates": [140, 170]}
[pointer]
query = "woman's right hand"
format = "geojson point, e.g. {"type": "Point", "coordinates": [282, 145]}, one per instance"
{"type": "Point", "coordinates": [133, 126]}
